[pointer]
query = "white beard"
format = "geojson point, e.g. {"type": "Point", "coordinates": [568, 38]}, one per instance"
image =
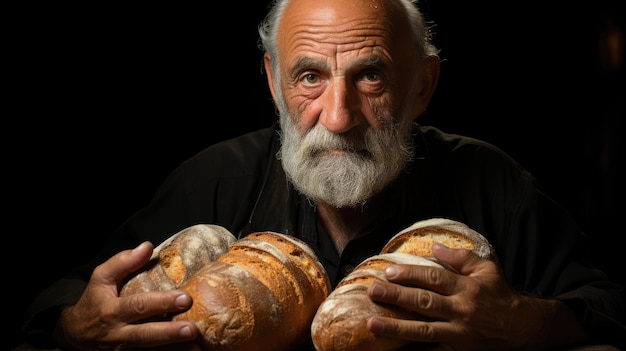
{"type": "Point", "coordinates": [369, 160]}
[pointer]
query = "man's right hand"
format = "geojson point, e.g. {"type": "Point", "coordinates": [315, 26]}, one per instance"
{"type": "Point", "coordinates": [101, 320]}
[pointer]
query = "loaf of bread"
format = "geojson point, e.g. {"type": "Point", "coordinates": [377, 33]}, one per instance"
{"type": "Point", "coordinates": [340, 323]}
{"type": "Point", "coordinates": [179, 257]}
{"type": "Point", "coordinates": [260, 295]}
{"type": "Point", "coordinates": [418, 239]}
{"type": "Point", "coordinates": [244, 291]}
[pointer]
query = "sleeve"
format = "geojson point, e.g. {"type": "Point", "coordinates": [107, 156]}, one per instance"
{"type": "Point", "coordinates": [545, 253]}
{"type": "Point", "coordinates": [170, 209]}
{"type": "Point", "coordinates": [216, 186]}
{"type": "Point", "coordinates": [542, 250]}
{"type": "Point", "coordinates": [42, 314]}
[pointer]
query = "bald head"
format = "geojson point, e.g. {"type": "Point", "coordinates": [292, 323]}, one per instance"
{"type": "Point", "coordinates": [343, 16]}
{"type": "Point", "coordinates": [389, 9]}
{"type": "Point", "coordinates": [337, 27]}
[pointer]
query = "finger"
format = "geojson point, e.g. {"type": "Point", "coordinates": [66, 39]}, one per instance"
{"type": "Point", "coordinates": [165, 335]}
{"type": "Point", "coordinates": [421, 301]}
{"type": "Point", "coordinates": [117, 268]}
{"type": "Point", "coordinates": [461, 260]}
{"type": "Point", "coordinates": [145, 305]}
{"type": "Point", "coordinates": [412, 330]}
{"type": "Point", "coordinates": [426, 277]}
{"type": "Point", "coordinates": [185, 346]}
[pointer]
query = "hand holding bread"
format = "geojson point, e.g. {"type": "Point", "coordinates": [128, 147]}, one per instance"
{"type": "Point", "coordinates": [243, 290]}
{"type": "Point", "coordinates": [340, 323]}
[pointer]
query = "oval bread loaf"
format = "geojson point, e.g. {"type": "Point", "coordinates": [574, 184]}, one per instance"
{"type": "Point", "coordinates": [266, 282]}
{"type": "Point", "coordinates": [340, 323]}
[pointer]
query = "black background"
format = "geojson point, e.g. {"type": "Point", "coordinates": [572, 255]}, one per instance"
{"type": "Point", "coordinates": [103, 102]}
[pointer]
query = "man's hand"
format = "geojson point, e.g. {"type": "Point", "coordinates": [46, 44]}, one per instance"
{"type": "Point", "coordinates": [474, 309]}
{"type": "Point", "coordinates": [101, 320]}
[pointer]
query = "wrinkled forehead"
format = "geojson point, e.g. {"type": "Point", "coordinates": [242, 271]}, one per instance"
{"type": "Point", "coordinates": [341, 22]}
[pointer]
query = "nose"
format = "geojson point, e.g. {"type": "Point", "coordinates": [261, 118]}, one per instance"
{"type": "Point", "coordinates": [340, 107]}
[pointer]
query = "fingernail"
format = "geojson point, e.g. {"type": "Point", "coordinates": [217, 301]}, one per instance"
{"type": "Point", "coordinates": [185, 331]}
{"type": "Point", "coordinates": [391, 271]}
{"type": "Point", "coordinates": [442, 246]}
{"type": "Point", "coordinates": [376, 325]}
{"type": "Point", "coordinates": [140, 246]}
{"type": "Point", "coordinates": [183, 301]}
{"type": "Point", "coordinates": [378, 290]}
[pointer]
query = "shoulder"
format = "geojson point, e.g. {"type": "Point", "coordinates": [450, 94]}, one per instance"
{"type": "Point", "coordinates": [241, 155]}
{"type": "Point", "coordinates": [442, 142]}
{"type": "Point", "coordinates": [467, 160]}
{"type": "Point", "coordinates": [233, 165]}
{"type": "Point", "coordinates": [457, 149]}
{"type": "Point", "coordinates": [245, 148]}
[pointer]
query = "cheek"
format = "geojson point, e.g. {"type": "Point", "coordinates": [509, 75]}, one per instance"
{"type": "Point", "coordinates": [304, 112]}
{"type": "Point", "coordinates": [373, 113]}
{"type": "Point", "coordinates": [379, 112]}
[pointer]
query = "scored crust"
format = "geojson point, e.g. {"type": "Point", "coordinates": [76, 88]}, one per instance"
{"type": "Point", "coordinates": [419, 238]}
{"type": "Point", "coordinates": [265, 282]}
{"type": "Point", "coordinates": [340, 323]}
{"type": "Point", "coordinates": [180, 256]}
{"type": "Point", "coordinates": [243, 290]}
{"type": "Point", "coordinates": [231, 308]}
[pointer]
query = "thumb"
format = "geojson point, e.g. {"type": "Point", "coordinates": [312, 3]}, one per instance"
{"type": "Point", "coordinates": [460, 260]}
{"type": "Point", "coordinates": [123, 264]}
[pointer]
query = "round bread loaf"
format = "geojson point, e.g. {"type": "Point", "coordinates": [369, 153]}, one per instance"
{"type": "Point", "coordinates": [267, 283]}
{"type": "Point", "coordinates": [340, 323]}
{"type": "Point", "coordinates": [179, 257]}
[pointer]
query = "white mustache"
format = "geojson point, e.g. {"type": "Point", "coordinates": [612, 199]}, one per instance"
{"type": "Point", "coordinates": [319, 140]}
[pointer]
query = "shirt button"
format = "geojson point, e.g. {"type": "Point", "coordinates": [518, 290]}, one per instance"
{"type": "Point", "coordinates": [346, 269]}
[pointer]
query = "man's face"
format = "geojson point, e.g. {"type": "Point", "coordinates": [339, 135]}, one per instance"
{"type": "Point", "coordinates": [346, 70]}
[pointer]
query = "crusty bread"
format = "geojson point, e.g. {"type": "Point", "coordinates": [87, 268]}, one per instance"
{"type": "Point", "coordinates": [243, 291]}
{"type": "Point", "coordinates": [418, 239]}
{"type": "Point", "coordinates": [266, 283]}
{"type": "Point", "coordinates": [340, 323]}
{"type": "Point", "coordinates": [179, 257]}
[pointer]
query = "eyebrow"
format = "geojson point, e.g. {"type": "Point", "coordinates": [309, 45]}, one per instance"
{"type": "Point", "coordinates": [304, 62]}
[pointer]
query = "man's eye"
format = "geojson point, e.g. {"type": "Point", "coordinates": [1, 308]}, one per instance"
{"type": "Point", "coordinates": [371, 76]}
{"type": "Point", "coordinates": [310, 79]}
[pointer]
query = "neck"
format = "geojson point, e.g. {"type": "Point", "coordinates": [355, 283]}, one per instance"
{"type": "Point", "coordinates": [343, 224]}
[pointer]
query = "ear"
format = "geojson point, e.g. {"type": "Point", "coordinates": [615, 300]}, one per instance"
{"type": "Point", "coordinates": [267, 62]}
{"type": "Point", "coordinates": [429, 79]}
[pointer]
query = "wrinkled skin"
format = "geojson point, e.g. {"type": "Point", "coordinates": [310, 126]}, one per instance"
{"type": "Point", "coordinates": [101, 320]}
{"type": "Point", "coordinates": [474, 309]}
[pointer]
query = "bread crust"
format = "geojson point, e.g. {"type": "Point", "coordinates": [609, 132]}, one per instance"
{"type": "Point", "coordinates": [176, 259]}
{"type": "Point", "coordinates": [340, 323]}
{"type": "Point", "coordinates": [228, 305]}
{"type": "Point", "coordinates": [418, 239]}
{"type": "Point", "coordinates": [243, 290]}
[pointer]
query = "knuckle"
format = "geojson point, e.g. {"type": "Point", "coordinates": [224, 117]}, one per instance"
{"type": "Point", "coordinates": [139, 303]}
{"type": "Point", "coordinates": [425, 300]}
{"type": "Point", "coordinates": [435, 275]}
{"type": "Point", "coordinates": [425, 331]}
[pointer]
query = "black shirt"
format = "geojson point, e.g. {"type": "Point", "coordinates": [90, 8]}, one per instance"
{"type": "Point", "coordinates": [240, 185]}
